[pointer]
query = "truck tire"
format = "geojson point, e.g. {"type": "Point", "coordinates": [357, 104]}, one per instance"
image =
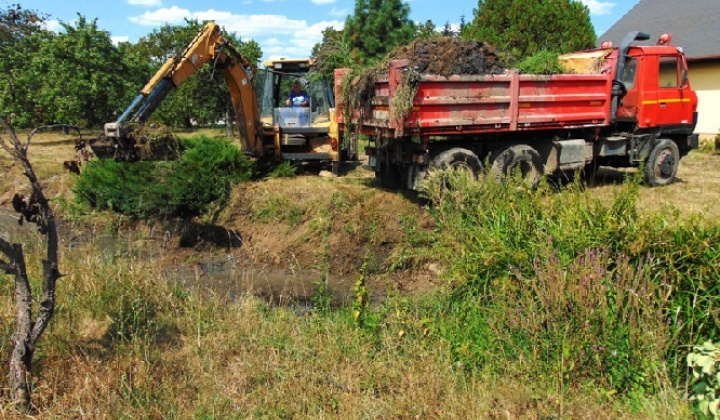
{"type": "Point", "coordinates": [519, 157]}
{"type": "Point", "coordinates": [458, 158]}
{"type": "Point", "coordinates": [662, 163]}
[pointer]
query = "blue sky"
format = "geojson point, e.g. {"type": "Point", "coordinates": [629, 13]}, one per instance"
{"type": "Point", "coordinates": [283, 28]}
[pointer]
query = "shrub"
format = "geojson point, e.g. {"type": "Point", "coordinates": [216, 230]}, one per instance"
{"type": "Point", "coordinates": [184, 187]}
{"type": "Point", "coordinates": [543, 62]}
{"type": "Point", "coordinates": [703, 361]}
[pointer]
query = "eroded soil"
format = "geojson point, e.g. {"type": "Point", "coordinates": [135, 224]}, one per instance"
{"type": "Point", "coordinates": [286, 239]}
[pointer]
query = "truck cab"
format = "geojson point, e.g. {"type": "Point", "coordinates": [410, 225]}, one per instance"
{"type": "Point", "coordinates": [658, 92]}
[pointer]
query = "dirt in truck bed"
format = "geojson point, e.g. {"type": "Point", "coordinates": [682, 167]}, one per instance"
{"type": "Point", "coordinates": [448, 55]}
{"type": "Point", "coordinates": [442, 56]}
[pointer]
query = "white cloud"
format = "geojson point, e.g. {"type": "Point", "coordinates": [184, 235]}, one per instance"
{"type": "Point", "coordinates": [118, 39]}
{"type": "Point", "coordinates": [278, 35]}
{"type": "Point", "coordinates": [598, 7]}
{"type": "Point", "coordinates": [147, 3]}
{"type": "Point", "coordinates": [338, 12]}
{"type": "Point", "coordinates": [52, 25]}
{"type": "Point", "coordinates": [323, 1]}
{"type": "Point", "coordinates": [161, 16]}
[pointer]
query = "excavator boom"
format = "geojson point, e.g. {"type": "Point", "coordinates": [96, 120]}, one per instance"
{"type": "Point", "coordinates": [209, 46]}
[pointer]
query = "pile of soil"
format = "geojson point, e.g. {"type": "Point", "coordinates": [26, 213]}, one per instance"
{"type": "Point", "coordinates": [443, 56]}
{"type": "Point", "coordinates": [147, 144]}
{"type": "Point", "coordinates": [448, 55]}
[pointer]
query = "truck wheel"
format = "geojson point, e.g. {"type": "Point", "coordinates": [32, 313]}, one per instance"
{"type": "Point", "coordinates": [521, 160]}
{"type": "Point", "coordinates": [388, 176]}
{"type": "Point", "coordinates": [458, 159]}
{"type": "Point", "coordinates": [662, 163]}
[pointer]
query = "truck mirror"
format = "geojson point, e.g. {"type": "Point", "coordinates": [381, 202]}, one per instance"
{"type": "Point", "coordinates": [684, 79]}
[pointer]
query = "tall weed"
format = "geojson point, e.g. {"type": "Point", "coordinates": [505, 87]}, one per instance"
{"type": "Point", "coordinates": [564, 285]}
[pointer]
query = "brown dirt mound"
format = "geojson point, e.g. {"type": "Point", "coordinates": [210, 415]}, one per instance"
{"type": "Point", "coordinates": [448, 55]}
{"type": "Point", "coordinates": [149, 144]}
{"type": "Point", "coordinates": [443, 56]}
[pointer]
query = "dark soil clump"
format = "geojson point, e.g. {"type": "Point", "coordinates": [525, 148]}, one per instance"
{"type": "Point", "coordinates": [442, 56]}
{"type": "Point", "coordinates": [447, 55]}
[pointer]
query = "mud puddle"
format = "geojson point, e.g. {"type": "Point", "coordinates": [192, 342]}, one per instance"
{"type": "Point", "coordinates": [298, 289]}
{"type": "Point", "coordinates": [228, 276]}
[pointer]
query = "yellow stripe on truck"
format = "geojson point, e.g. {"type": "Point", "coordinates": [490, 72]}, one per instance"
{"type": "Point", "coordinates": [667, 101]}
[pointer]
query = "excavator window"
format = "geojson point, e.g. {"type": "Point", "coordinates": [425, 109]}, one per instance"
{"type": "Point", "coordinates": [278, 84]}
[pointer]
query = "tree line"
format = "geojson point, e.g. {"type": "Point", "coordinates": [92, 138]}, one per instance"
{"type": "Point", "coordinates": [79, 76]}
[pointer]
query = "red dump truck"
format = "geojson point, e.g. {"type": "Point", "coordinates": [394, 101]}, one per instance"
{"type": "Point", "coordinates": [620, 106]}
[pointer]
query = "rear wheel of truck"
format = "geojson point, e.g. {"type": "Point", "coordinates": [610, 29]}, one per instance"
{"type": "Point", "coordinates": [662, 163]}
{"type": "Point", "coordinates": [457, 159]}
{"type": "Point", "coordinates": [518, 160]}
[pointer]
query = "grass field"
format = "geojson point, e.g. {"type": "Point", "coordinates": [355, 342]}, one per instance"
{"type": "Point", "coordinates": [488, 304]}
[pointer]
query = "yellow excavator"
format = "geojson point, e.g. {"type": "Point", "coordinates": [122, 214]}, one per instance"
{"type": "Point", "coordinates": [267, 129]}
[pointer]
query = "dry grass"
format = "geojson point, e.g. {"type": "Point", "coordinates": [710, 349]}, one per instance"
{"type": "Point", "coordinates": [203, 358]}
{"type": "Point", "coordinates": [200, 356]}
{"type": "Point", "coordinates": [47, 153]}
{"type": "Point", "coordinates": [695, 193]}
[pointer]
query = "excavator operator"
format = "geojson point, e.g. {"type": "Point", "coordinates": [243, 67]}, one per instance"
{"type": "Point", "coordinates": [298, 97]}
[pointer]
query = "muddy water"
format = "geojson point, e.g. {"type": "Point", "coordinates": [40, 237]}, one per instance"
{"type": "Point", "coordinates": [287, 288]}
{"type": "Point", "coordinates": [227, 275]}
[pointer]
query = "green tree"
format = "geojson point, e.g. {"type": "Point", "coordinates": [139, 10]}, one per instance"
{"type": "Point", "coordinates": [333, 52]}
{"type": "Point", "coordinates": [20, 36]}
{"type": "Point", "coordinates": [376, 27]}
{"type": "Point", "coordinates": [83, 78]}
{"type": "Point", "coordinates": [17, 23]}
{"type": "Point", "coordinates": [203, 97]}
{"type": "Point", "coordinates": [521, 28]}
{"type": "Point", "coordinates": [426, 30]}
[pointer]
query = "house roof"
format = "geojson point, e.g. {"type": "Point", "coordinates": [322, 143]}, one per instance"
{"type": "Point", "coordinates": [694, 25]}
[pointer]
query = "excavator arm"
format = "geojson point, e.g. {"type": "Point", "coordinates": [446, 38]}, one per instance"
{"type": "Point", "coordinates": [209, 46]}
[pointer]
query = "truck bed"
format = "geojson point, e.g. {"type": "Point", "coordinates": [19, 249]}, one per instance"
{"type": "Point", "coordinates": [462, 104]}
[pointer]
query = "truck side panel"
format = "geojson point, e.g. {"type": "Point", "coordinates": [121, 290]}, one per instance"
{"type": "Point", "coordinates": [489, 104]}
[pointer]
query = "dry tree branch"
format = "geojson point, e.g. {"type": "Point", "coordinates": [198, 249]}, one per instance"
{"type": "Point", "coordinates": [28, 331]}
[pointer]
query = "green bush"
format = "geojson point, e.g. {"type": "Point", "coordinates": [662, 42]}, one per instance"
{"type": "Point", "coordinates": [703, 361]}
{"type": "Point", "coordinates": [543, 62]}
{"type": "Point", "coordinates": [184, 187]}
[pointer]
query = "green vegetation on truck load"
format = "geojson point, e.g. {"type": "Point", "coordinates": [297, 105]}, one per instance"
{"type": "Point", "coordinates": [543, 62]}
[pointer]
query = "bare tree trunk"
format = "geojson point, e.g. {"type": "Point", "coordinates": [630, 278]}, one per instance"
{"type": "Point", "coordinates": [36, 209]}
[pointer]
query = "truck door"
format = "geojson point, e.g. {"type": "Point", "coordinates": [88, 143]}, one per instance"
{"type": "Point", "coordinates": [628, 110]}
{"type": "Point", "coordinates": [672, 102]}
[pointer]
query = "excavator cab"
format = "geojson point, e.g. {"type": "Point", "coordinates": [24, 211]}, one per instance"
{"type": "Point", "coordinates": [302, 132]}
